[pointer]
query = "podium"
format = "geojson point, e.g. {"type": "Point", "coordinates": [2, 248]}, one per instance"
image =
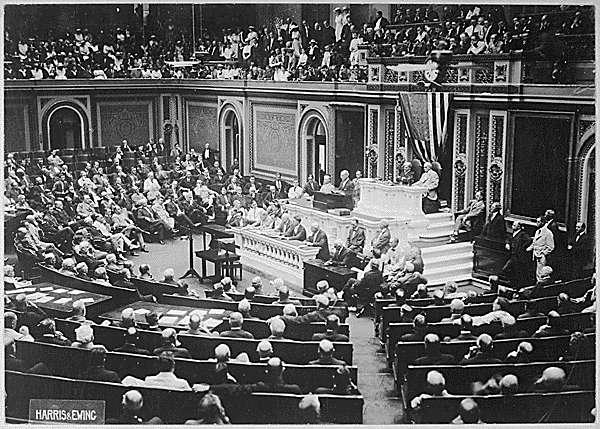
{"type": "Point", "coordinates": [326, 202]}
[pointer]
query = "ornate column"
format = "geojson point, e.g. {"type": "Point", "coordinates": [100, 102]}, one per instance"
{"type": "Point", "coordinates": [460, 161]}
{"type": "Point", "coordinates": [496, 158]}
{"type": "Point", "coordinates": [372, 149]}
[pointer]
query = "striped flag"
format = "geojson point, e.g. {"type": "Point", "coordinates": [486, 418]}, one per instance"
{"type": "Point", "coordinates": [425, 117]}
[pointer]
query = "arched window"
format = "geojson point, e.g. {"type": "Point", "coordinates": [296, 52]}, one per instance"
{"type": "Point", "coordinates": [232, 141]}
{"type": "Point", "coordinates": [66, 129]}
{"type": "Point", "coordinates": [316, 144]}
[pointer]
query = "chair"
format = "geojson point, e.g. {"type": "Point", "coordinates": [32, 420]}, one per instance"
{"type": "Point", "coordinates": [28, 264]}
{"type": "Point", "coordinates": [236, 267]}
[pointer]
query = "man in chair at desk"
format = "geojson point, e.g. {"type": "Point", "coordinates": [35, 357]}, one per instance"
{"type": "Point", "coordinates": [341, 255]}
{"type": "Point", "coordinates": [356, 238]}
{"type": "Point", "coordinates": [346, 185]}
{"type": "Point", "coordinates": [296, 230]}
{"type": "Point", "coordinates": [318, 238]}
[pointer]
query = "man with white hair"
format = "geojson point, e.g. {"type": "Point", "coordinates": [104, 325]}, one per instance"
{"type": "Point", "coordinates": [78, 312]}
{"type": "Point", "coordinates": [381, 241]}
{"type": "Point", "coordinates": [430, 180]}
{"type": "Point", "coordinates": [68, 267]}
{"type": "Point", "coordinates": [327, 187]}
{"type": "Point", "coordinates": [84, 337]}
{"type": "Point", "coordinates": [127, 319]}
{"type": "Point", "coordinates": [310, 406]}
{"type": "Point", "coordinates": [277, 327]}
{"type": "Point", "coordinates": [132, 403]}
{"type": "Point", "coordinates": [341, 255]}
{"type": "Point", "coordinates": [169, 277]}
{"type": "Point", "coordinates": [346, 185]}
{"type": "Point", "coordinates": [436, 386]}
{"type": "Point", "coordinates": [318, 238]}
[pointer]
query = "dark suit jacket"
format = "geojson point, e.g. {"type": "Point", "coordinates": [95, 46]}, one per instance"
{"type": "Point", "coordinates": [511, 334]}
{"type": "Point", "coordinates": [580, 247]}
{"type": "Point", "coordinates": [130, 348]}
{"type": "Point", "coordinates": [440, 359]}
{"type": "Point", "coordinates": [102, 374]}
{"type": "Point", "coordinates": [518, 244]}
{"type": "Point", "coordinates": [334, 337]}
{"type": "Point", "coordinates": [14, 364]}
{"type": "Point", "coordinates": [320, 239]}
{"type": "Point", "coordinates": [479, 358]}
{"type": "Point", "coordinates": [465, 336]}
{"type": "Point", "coordinates": [278, 388]}
{"type": "Point", "coordinates": [381, 241]}
{"type": "Point", "coordinates": [347, 187]}
{"type": "Point", "coordinates": [327, 361]}
{"type": "Point", "coordinates": [300, 235]}
{"type": "Point", "coordinates": [342, 257]}
{"type": "Point", "coordinates": [310, 188]}
{"type": "Point", "coordinates": [495, 228]}
{"type": "Point", "coordinates": [238, 333]}
{"type": "Point", "coordinates": [356, 239]}
{"type": "Point", "coordinates": [177, 351]}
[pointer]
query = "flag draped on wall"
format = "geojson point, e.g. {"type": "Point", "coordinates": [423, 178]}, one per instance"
{"type": "Point", "coordinates": [425, 117]}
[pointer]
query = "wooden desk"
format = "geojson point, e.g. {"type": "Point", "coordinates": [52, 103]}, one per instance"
{"type": "Point", "coordinates": [316, 270]}
{"type": "Point", "coordinates": [489, 257]}
{"type": "Point", "coordinates": [323, 201]}
{"type": "Point", "coordinates": [221, 259]}
{"type": "Point", "coordinates": [216, 231]}
{"type": "Point", "coordinates": [57, 300]}
{"type": "Point", "coordinates": [173, 316]}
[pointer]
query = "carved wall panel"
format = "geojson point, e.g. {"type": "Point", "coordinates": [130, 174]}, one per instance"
{"type": "Point", "coordinates": [16, 128]}
{"type": "Point", "coordinates": [118, 121]}
{"type": "Point", "coordinates": [273, 139]}
{"type": "Point", "coordinates": [203, 126]}
{"type": "Point", "coordinates": [460, 160]}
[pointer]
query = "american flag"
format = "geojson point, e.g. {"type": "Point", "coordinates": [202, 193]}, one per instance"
{"type": "Point", "coordinates": [425, 118]}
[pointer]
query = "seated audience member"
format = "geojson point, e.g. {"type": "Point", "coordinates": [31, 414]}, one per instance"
{"type": "Point", "coordinates": [127, 319]}
{"type": "Point", "coordinates": [196, 327]}
{"type": "Point", "coordinates": [210, 411]}
{"type": "Point", "coordinates": [24, 330]}
{"type": "Point", "coordinates": [421, 292]}
{"type": "Point", "coordinates": [499, 313]}
{"type": "Point", "coordinates": [264, 351]}
{"type": "Point", "coordinates": [466, 218]}
{"type": "Point", "coordinates": [11, 282]}
{"type": "Point", "coordinates": [577, 349]}
{"type": "Point", "coordinates": [451, 291]}
{"type": "Point", "coordinates": [218, 292]}
{"type": "Point", "coordinates": [509, 385]}
{"type": "Point", "coordinates": [490, 387]}
{"type": "Point", "coordinates": [171, 344]}
{"type": "Point", "coordinates": [244, 308]}
{"type": "Point", "coordinates": [274, 379]}
{"type": "Point", "coordinates": [249, 293]}
{"type": "Point", "coordinates": [82, 271]}
{"type": "Point", "coordinates": [419, 330]}
{"type": "Point", "coordinates": [566, 305]}
{"type": "Point", "coordinates": [482, 353]}
{"type": "Point", "coordinates": [68, 267]}
{"type": "Point", "coordinates": [79, 313]}
{"type": "Point", "coordinates": [319, 315]}
{"type": "Point", "coordinates": [342, 384]}
{"type": "Point", "coordinates": [433, 354]}
{"type": "Point", "coordinates": [284, 297]}
{"type": "Point", "coordinates": [523, 354]}
{"type": "Point", "coordinates": [531, 310]}
{"type": "Point", "coordinates": [131, 404]}
{"type": "Point", "coordinates": [436, 386]}
{"type": "Point", "coordinates": [331, 334]}
{"type": "Point", "coordinates": [10, 326]}
{"type": "Point", "coordinates": [468, 414]}
{"type": "Point", "coordinates": [152, 321]}
{"type": "Point", "coordinates": [257, 285]}
{"type": "Point", "coordinates": [277, 327]}
{"type": "Point", "coordinates": [236, 322]}
{"type": "Point", "coordinates": [551, 328]}
{"type": "Point", "coordinates": [537, 291]}
{"type": "Point", "coordinates": [341, 256]}
{"type": "Point", "coordinates": [290, 310]}
{"type": "Point", "coordinates": [50, 335]}
{"type": "Point", "coordinates": [509, 330]}
{"type": "Point", "coordinates": [553, 379]}
{"type": "Point", "coordinates": [326, 350]}
{"type": "Point", "coordinates": [84, 337]}
{"type": "Point", "coordinates": [310, 408]}
{"type": "Point", "coordinates": [145, 272]}
{"type": "Point", "coordinates": [166, 378]}
{"type": "Point", "coordinates": [169, 277]}
{"type": "Point", "coordinates": [456, 310]}
{"type": "Point", "coordinates": [132, 338]}
{"type": "Point", "coordinates": [31, 315]}
{"type": "Point", "coordinates": [12, 363]}
{"type": "Point", "coordinates": [438, 298]}
{"type": "Point", "coordinates": [96, 370]}
{"type": "Point", "coordinates": [408, 279]}
{"type": "Point", "coordinates": [228, 286]}
{"type": "Point", "coordinates": [466, 328]}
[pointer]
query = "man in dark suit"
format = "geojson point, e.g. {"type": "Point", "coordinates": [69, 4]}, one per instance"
{"type": "Point", "coordinates": [169, 338]}
{"type": "Point", "coordinates": [509, 330]}
{"type": "Point", "coordinates": [274, 379]}
{"type": "Point", "coordinates": [495, 227]}
{"type": "Point", "coordinates": [319, 315]}
{"type": "Point", "coordinates": [280, 186]}
{"type": "Point", "coordinates": [346, 185]}
{"type": "Point", "coordinates": [380, 21]}
{"type": "Point", "coordinates": [236, 322]}
{"type": "Point", "coordinates": [50, 335]}
{"type": "Point", "coordinates": [341, 255]}
{"type": "Point", "coordinates": [131, 340]}
{"type": "Point", "coordinates": [326, 350]}
{"type": "Point", "coordinates": [208, 156]}
{"type": "Point", "coordinates": [482, 353]}
{"type": "Point", "coordinates": [419, 330]}
{"type": "Point", "coordinates": [356, 237]}
{"type": "Point", "coordinates": [517, 267]}
{"type": "Point", "coordinates": [365, 288]}
{"type": "Point", "coordinates": [12, 363]}
{"type": "Point", "coordinates": [132, 403]}
{"type": "Point", "coordinates": [296, 231]}
{"type": "Point", "coordinates": [318, 238]}
{"type": "Point", "coordinates": [381, 241]}
{"type": "Point", "coordinates": [331, 334]}
{"type": "Point", "coordinates": [148, 221]}
{"type": "Point", "coordinates": [311, 186]}
{"type": "Point", "coordinates": [577, 250]}
{"type": "Point", "coordinates": [433, 355]}
{"type": "Point", "coordinates": [466, 327]}
{"type": "Point", "coordinates": [96, 370]}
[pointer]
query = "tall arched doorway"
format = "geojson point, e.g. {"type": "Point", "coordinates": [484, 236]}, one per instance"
{"type": "Point", "coordinates": [316, 144]}
{"type": "Point", "coordinates": [66, 129]}
{"type": "Point", "coordinates": [232, 141]}
{"type": "Point", "coordinates": [590, 195]}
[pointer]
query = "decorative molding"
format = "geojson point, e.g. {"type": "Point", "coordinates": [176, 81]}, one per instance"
{"type": "Point", "coordinates": [372, 148]}
{"type": "Point", "coordinates": [460, 162]}
{"type": "Point", "coordinates": [125, 119]}
{"type": "Point", "coordinates": [390, 118]}
{"type": "Point", "coordinates": [496, 165]}
{"type": "Point", "coordinates": [481, 151]}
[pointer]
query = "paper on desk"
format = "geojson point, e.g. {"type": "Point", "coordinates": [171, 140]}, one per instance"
{"type": "Point", "coordinates": [76, 292]}
{"type": "Point", "coordinates": [211, 323]}
{"type": "Point", "coordinates": [184, 321]}
{"type": "Point", "coordinates": [27, 289]}
{"type": "Point", "coordinates": [86, 300]}
{"type": "Point", "coordinates": [168, 320]}
{"type": "Point", "coordinates": [216, 311]}
{"type": "Point", "coordinates": [176, 312]}
{"type": "Point", "coordinates": [200, 313]}
{"type": "Point", "coordinates": [62, 300]}
{"type": "Point", "coordinates": [10, 292]}
{"type": "Point", "coordinates": [34, 296]}
{"type": "Point", "coordinates": [141, 311]}
{"type": "Point", "coordinates": [359, 273]}
{"type": "Point", "coordinates": [46, 289]}
{"type": "Point", "coordinates": [59, 290]}
{"type": "Point", "coordinates": [44, 299]}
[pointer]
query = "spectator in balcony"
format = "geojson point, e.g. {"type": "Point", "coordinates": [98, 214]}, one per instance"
{"type": "Point", "coordinates": [477, 46]}
{"type": "Point", "coordinates": [495, 45]}
{"type": "Point", "coordinates": [380, 22]}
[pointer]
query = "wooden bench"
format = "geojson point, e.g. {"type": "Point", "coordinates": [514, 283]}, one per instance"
{"type": "Point", "coordinates": [157, 289]}
{"type": "Point", "coordinates": [175, 407]}
{"type": "Point", "coordinates": [71, 362]}
{"type": "Point", "coordinates": [459, 377]}
{"type": "Point", "coordinates": [564, 407]}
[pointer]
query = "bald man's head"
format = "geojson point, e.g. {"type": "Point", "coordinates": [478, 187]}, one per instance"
{"type": "Point", "coordinates": [469, 411]}
{"type": "Point", "coordinates": [436, 382]}
{"type": "Point", "coordinates": [484, 343]}
{"type": "Point", "coordinates": [509, 385]}
{"type": "Point", "coordinates": [132, 401]}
